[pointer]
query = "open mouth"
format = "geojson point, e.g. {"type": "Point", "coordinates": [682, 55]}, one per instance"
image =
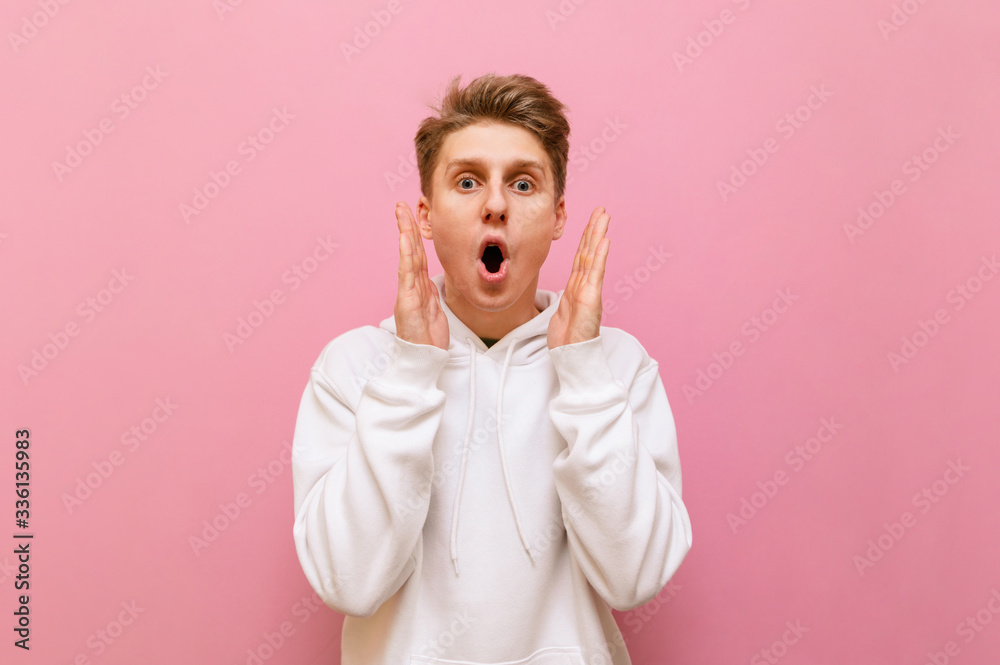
{"type": "Point", "coordinates": [492, 258]}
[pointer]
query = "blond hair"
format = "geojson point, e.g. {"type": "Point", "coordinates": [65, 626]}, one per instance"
{"type": "Point", "coordinates": [515, 99]}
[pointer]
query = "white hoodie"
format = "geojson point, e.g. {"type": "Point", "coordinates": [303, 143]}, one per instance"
{"type": "Point", "coordinates": [486, 505]}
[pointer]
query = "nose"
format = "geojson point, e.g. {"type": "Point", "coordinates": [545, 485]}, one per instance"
{"type": "Point", "coordinates": [496, 206]}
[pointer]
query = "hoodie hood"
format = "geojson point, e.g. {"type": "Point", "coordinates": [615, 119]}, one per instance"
{"type": "Point", "coordinates": [521, 346]}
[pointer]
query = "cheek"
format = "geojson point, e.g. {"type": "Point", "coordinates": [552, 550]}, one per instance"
{"type": "Point", "coordinates": [536, 250]}
{"type": "Point", "coordinates": [449, 246]}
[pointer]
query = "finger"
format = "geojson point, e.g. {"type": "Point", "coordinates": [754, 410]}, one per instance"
{"type": "Point", "coordinates": [596, 276]}
{"type": "Point", "coordinates": [581, 249]}
{"type": "Point", "coordinates": [400, 217]}
{"type": "Point", "coordinates": [405, 263]}
{"type": "Point", "coordinates": [600, 227]}
{"type": "Point", "coordinates": [411, 260]}
{"type": "Point", "coordinates": [403, 210]}
{"type": "Point", "coordinates": [576, 257]}
{"type": "Point", "coordinates": [420, 256]}
{"type": "Point", "coordinates": [586, 234]}
{"type": "Point", "coordinates": [595, 219]}
{"type": "Point", "coordinates": [435, 298]}
{"type": "Point", "coordinates": [415, 249]}
{"type": "Point", "coordinates": [579, 260]}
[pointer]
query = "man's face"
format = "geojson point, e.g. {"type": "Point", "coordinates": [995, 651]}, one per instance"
{"type": "Point", "coordinates": [493, 184]}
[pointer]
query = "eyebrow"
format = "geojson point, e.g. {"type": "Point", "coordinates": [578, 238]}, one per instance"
{"type": "Point", "coordinates": [472, 162]}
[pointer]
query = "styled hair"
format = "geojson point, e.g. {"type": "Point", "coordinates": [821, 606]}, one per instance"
{"type": "Point", "coordinates": [515, 99]}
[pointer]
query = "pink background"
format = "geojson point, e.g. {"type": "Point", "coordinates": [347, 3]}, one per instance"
{"type": "Point", "coordinates": [677, 129]}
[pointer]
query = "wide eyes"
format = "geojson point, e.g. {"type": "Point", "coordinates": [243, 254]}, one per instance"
{"type": "Point", "coordinates": [523, 186]}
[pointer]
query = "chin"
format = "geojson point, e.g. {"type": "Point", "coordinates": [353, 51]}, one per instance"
{"type": "Point", "coordinates": [491, 298]}
{"type": "Point", "coordinates": [492, 303]}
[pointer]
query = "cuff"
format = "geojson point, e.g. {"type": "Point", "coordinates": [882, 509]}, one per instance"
{"type": "Point", "coordinates": [583, 367]}
{"type": "Point", "coordinates": [414, 366]}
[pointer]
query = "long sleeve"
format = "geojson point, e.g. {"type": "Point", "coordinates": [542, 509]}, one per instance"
{"type": "Point", "coordinates": [360, 473]}
{"type": "Point", "coordinates": [619, 478]}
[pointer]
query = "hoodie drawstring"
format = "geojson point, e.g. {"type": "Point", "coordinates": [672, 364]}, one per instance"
{"type": "Point", "coordinates": [465, 453]}
{"type": "Point", "coordinates": [503, 458]}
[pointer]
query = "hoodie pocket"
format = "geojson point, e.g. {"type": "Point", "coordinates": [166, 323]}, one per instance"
{"type": "Point", "coordinates": [546, 656]}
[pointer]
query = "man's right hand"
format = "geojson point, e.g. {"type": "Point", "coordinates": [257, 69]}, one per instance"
{"type": "Point", "coordinates": [418, 313]}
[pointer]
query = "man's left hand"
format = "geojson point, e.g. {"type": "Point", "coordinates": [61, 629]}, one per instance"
{"type": "Point", "coordinates": [578, 317]}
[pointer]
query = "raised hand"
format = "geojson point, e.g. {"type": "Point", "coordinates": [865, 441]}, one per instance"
{"type": "Point", "coordinates": [578, 317]}
{"type": "Point", "coordinates": [418, 313]}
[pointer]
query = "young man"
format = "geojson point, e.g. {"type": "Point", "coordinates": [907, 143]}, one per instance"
{"type": "Point", "coordinates": [479, 478]}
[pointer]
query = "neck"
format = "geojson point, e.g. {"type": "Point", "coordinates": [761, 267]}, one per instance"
{"type": "Point", "coordinates": [493, 325]}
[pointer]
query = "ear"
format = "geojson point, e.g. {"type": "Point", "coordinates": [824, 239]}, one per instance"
{"type": "Point", "coordinates": [560, 218]}
{"type": "Point", "coordinates": [424, 217]}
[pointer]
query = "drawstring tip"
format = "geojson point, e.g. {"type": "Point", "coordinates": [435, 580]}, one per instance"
{"type": "Point", "coordinates": [455, 561]}
{"type": "Point", "coordinates": [531, 556]}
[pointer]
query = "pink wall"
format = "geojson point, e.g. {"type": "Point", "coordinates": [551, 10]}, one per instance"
{"type": "Point", "coordinates": [870, 541]}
